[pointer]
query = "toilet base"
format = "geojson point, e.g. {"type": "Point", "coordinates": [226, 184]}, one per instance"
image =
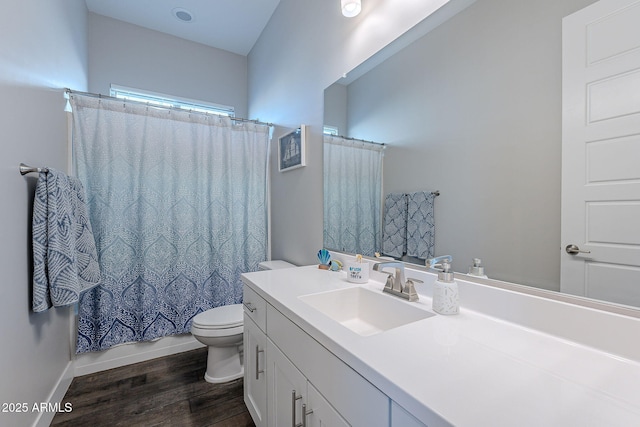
{"type": "Point", "coordinates": [224, 364]}
{"type": "Point", "coordinates": [219, 380]}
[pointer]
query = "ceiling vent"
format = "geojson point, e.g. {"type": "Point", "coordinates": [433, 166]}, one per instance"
{"type": "Point", "coordinates": [182, 15]}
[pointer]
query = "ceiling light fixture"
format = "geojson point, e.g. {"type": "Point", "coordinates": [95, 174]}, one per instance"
{"type": "Point", "coordinates": [182, 14]}
{"type": "Point", "coordinates": [351, 8]}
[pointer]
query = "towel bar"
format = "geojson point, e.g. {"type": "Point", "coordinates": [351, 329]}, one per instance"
{"type": "Point", "coordinates": [25, 169]}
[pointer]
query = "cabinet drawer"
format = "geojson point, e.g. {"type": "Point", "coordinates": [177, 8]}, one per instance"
{"type": "Point", "coordinates": [255, 307]}
{"type": "Point", "coordinates": [355, 399]}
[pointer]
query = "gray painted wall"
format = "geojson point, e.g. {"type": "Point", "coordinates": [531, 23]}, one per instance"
{"type": "Point", "coordinates": [473, 109]}
{"type": "Point", "coordinates": [335, 108]}
{"type": "Point", "coordinates": [306, 47]}
{"type": "Point", "coordinates": [132, 56]}
{"type": "Point", "coordinates": [43, 50]}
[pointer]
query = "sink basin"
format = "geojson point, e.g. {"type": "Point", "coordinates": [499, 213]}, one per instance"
{"type": "Point", "coordinates": [364, 311]}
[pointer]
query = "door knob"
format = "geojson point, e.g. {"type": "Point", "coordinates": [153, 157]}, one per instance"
{"type": "Point", "coordinates": [574, 250]}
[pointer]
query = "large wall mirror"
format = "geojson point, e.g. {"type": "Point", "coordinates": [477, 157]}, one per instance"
{"type": "Point", "coordinates": [474, 109]}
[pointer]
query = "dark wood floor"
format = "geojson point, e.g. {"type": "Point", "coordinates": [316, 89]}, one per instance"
{"type": "Point", "coordinates": [169, 391]}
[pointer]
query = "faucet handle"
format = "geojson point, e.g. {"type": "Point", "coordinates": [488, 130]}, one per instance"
{"type": "Point", "coordinates": [410, 289]}
{"type": "Point", "coordinates": [389, 283]}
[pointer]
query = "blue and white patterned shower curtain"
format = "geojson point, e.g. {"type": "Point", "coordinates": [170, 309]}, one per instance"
{"type": "Point", "coordinates": [178, 205]}
{"type": "Point", "coordinates": [352, 195]}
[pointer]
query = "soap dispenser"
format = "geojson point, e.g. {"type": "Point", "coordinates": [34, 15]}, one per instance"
{"type": "Point", "coordinates": [477, 269]}
{"type": "Point", "coordinates": [445, 292]}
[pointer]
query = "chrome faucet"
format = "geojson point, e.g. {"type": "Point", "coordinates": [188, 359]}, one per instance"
{"type": "Point", "coordinates": [396, 283]}
{"type": "Point", "coordinates": [435, 263]}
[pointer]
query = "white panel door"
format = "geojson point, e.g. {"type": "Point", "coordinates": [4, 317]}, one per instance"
{"type": "Point", "coordinates": [601, 152]}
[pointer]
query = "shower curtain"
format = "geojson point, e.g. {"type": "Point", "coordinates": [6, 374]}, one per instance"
{"type": "Point", "coordinates": [352, 195]}
{"type": "Point", "coordinates": [178, 205]}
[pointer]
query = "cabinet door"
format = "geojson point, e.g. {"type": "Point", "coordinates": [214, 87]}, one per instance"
{"type": "Point", "coordinates": [287, 389]}
{"type": "Point", "coordinates": [255, 379]}
{"type": "Point", "coordinates": [320, 413]}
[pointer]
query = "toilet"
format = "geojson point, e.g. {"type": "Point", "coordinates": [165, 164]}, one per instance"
{"type": "Point", "coordinates": [221, 330]}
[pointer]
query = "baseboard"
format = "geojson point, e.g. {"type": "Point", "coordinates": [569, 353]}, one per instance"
{"type": "Point", "coordinates": [57, 394]}
{"type": "Point", "coordinates": [89, 363]}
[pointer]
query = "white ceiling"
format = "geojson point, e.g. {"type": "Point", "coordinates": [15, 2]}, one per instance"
{"type": "Point", "coordinates": [232, 25]}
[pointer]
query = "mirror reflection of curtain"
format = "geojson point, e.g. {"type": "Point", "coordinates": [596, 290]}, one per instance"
{"type": "Point", "coordinates": [178, 205]}
{"type": "Point", "coordinates": [352, 195]}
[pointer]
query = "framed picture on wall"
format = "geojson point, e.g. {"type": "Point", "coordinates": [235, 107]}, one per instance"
{"type": "Point", "coordinates": [291, 149]}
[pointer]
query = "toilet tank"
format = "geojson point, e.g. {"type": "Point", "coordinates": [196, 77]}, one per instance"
{"type": "Point", "coordinates": [274, 265]}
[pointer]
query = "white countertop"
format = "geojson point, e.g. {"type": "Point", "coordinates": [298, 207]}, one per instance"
{"type": "Point", "coordinates": [469, 369]}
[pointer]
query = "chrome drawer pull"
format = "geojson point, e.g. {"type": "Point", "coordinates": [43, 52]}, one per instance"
{"type": "Point", "coordinates": [249, 306]}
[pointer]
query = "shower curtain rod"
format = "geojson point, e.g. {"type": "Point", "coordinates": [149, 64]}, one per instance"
{"type": "Point", "coordinates": [101, 96]}
{"type": "Point", "coordinates": [358, 140]}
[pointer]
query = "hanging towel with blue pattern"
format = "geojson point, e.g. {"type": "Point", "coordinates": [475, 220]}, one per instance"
{"type": "Point", "coordinates": [420, 225]}
{"type": "Point", "coordinates": [394, 231]}
{"type": "Point", "coordinates": [65, 260]}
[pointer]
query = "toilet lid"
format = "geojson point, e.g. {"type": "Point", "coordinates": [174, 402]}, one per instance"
{"type": "Point", "coordinates": [226, 316]}
{"type": "Point", "coordinates": [274, 265]}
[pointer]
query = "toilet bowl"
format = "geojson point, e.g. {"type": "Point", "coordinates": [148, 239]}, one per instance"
{"type": "Point", "coordinates": [220, 329]}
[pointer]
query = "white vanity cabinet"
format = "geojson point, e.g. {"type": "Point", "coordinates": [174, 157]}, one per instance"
{"type": "Point", "coordinates": [403, 376]}
{"type": "Point", "coordinates": [299, 371]}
